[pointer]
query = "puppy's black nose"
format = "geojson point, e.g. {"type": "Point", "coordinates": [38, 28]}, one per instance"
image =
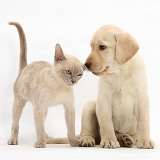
{"type": "Point", "coordinates": [88, 64]}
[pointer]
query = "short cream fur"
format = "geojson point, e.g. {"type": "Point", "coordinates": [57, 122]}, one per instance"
{"type": "Point", "coordinates": [122, 105]}
{"type": "Point", "coordinates": [45, 85]}
{"type": "Point", "coordinates": [120, 115]}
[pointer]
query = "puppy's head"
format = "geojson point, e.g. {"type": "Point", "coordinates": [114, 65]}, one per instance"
{"type": "Point", "coordinates": [110, 45]}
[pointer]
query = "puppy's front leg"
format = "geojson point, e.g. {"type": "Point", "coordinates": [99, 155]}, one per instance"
{"type": "Point", "coordinates": [104, 115]}
{"type": "Point", "coordinates": [39, 118]}
{"type": "Point", "coordinates": [143, 129]}
{"type": "Point", "coordinates": [70, 122]}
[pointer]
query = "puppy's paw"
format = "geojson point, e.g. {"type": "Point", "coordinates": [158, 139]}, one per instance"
{"type": "Point", "coordinates": [105, 143]}
{"type": "Point", "coordinates": [40, 144]}
{"type": "Point", "coordinates": [87, 141]}
{"type": "Point", "coordinates": [126, 140]}
{"type": "Point", "coordinates": [74, 143]}
{"type": "Point", "coordinates": [145, 144]}
{"type": "Point", "coordinates": [13, 141]}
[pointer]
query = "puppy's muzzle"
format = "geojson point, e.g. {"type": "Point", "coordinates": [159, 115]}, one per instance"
{"type": "Point", "coordinates": [88, 65]}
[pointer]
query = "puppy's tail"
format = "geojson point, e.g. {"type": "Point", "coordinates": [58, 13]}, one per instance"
{"type": "Point", "coordinates": [23, 46]}
{"type": "Point", "coordinates": [63, 140]}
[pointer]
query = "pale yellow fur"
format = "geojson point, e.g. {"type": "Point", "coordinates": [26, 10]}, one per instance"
{"type": "Point", "coordinates": [122, 104]}
{"type": "Point", "coordinates": [45, 85]}
{"type": "Point", "coordinates": [120, 116]}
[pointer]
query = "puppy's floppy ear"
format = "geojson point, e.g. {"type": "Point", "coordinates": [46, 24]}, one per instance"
{"type": "Point", "coordinates": [59, 55]}
{"type": "Point", "coordinates": [126, 47]}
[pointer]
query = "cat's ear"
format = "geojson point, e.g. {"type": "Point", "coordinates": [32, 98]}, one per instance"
{"type": "Point", "coordinates": [59, 55]}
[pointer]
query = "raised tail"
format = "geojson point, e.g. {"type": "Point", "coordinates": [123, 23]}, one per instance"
{"type": "Point", "coordinates": [23, 46]}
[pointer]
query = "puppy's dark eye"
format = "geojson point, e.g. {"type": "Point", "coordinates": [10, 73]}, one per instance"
{"type": "Point", "coordinates": [102, 47]}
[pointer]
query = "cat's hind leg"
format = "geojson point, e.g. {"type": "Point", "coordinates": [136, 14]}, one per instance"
{"type": "Point", "coordinates": [18, 106]}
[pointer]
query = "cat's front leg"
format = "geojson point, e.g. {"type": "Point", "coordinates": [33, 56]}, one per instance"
{"type": "Point", "coordinates": [70, 121]}
{"type": "Point", "coordinates": [39, 118]}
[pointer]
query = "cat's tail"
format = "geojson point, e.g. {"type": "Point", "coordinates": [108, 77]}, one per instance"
{"type": "Point", "coordinates": [23, 46]}
{"type": "Point", "coordinates": [63, 140]}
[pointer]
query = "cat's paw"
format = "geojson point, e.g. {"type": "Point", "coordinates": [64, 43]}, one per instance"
{"type": "Point", "coordinates": [87, 141]}
{"type": "Point", "coordinates": [40, 144]}
{"type": "Point", "coordinates": [13, 141]}
{"type": "Point", "coordinates": [126, 140]}
{"type": "Point", "coordinates": [145, 144]}
{"type": "Point", "coordinates": [106, 143]}
{"type": "Point", "coordinates": [74, 143]}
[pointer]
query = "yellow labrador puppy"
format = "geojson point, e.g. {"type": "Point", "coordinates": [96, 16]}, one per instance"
{"type": "Point", "coordinates": [120, 116]}
{"type": "Point", "coordinates": [122, 106]}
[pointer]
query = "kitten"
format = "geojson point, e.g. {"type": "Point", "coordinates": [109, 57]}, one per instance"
{"type": "Point", "coordinates": [45, 85]}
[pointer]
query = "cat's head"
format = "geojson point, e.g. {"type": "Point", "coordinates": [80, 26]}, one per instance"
{"type": "Point", "coordinates": [67, 67]}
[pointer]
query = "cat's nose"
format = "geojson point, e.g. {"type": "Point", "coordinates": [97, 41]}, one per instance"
{"type": "Point", "coordinates": [88, 64]}
{"type": "Point", "coordinates": [73, 81]}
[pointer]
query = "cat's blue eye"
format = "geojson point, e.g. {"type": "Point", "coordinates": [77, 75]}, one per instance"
{"type": "Point", "coordinates": [68, 71]}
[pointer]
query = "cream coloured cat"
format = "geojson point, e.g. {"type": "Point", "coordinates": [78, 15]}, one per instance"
{"type": "Point", "coordinates": [45, 85]}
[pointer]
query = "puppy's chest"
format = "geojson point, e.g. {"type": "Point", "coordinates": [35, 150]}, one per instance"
{"type": "Point", "coordinates": [123, 104]}
{"type": "Point", "coordinates": [120, 83]}
{"type": "Point", "coordinates": [122, 93]}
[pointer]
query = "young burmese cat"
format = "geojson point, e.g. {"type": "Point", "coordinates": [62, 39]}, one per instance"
{"type": "Point", "coordinates": [45, 85]}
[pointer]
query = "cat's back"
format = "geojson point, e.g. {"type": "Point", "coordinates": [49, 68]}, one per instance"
{"type": "Point", "coordinates": [30, 75]}
{"type": "Point", "coordinates": [34, 68]}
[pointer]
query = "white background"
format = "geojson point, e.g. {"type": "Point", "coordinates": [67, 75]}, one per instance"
{"type": "Point", "coordinates": [72, 24]}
